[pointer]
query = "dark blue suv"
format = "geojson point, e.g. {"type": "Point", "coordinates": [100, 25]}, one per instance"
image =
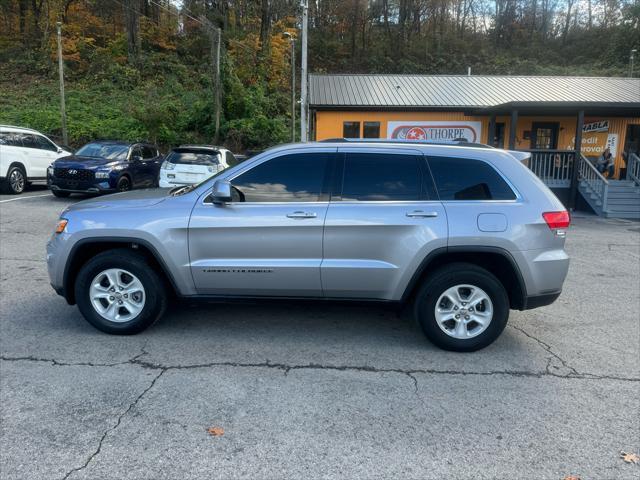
{"type": "Point", "coordinates": [104, 167]}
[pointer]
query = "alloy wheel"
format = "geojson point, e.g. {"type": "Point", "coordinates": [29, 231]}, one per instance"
{"type": "Point", "coordinates": [117, 295]}
{"type": "Point", "coordinates": [16, 180]}
{"type": "Point", "coordinates": [464, 311]}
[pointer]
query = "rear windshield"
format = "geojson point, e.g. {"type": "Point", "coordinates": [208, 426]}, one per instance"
{"type": "Point", "coordinates": [110, 151]}
{"type": "Point", "coordinates": [194, 157]}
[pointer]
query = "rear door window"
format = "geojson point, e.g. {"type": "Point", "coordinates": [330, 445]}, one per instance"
{"type": "Point", "coordinates": [30, 141]}
{"type": "Point", "coordinates": [381, 177]}
{"type": "Point", "coordinates": [468, 179]}
{"type": "Point", "coordinates": [148, 152]}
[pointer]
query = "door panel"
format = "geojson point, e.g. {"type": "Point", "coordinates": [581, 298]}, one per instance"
{"type": "Point", "coordinates": [268, 240]}
{"type": "Point", "coordinates": [370, 248]}
{"type": "Point", "coordinates": [380, 224]}
{"type": "Point", "coordinates": [257, 249]}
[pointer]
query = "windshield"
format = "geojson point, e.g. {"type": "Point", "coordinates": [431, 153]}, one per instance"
{"type": "Point", "coordinates": [194, 157]}
{"type": "Point", "coordinates": [110, 151]}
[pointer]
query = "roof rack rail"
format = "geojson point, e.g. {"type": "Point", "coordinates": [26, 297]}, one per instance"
{"type": "Point", "coordinates": [457, 143]}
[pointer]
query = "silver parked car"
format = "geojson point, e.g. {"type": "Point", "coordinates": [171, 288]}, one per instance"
{"type": "Point", "coordinates": [461, 234]}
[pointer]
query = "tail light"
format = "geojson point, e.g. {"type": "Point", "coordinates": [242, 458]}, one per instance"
{"type": "Point", "coordinates": [556, 220]}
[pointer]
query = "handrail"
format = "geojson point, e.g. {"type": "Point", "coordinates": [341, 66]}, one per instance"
{"type": "Point", "coordinates": [590, 175]}
{"type": "Point", "coordinates": [633, 168]}
{"type": "Point", "coordinates": [553, 167]}
{"type": "Point", "coordinates": [595, 170]}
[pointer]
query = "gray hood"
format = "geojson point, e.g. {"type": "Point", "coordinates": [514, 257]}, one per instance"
{"type": "Point", "coordinates": [131, 199]}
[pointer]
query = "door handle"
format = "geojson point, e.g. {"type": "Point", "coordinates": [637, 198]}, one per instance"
{"type": "Point", "coordinates": [300, 214]}
{"type": "Point", "coordinates": [421, 214]}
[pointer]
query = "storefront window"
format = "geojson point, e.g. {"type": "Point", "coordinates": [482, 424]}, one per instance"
{"type": "Point", "coordinates": [371, 130]}
{"type": "Point", "coordinates": [351, 130]}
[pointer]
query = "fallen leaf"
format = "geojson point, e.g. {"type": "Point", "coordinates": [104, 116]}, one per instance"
{"type": "Point", "coordinates": [572, 477]}
{"type": "Point", "coordinates": [215, 431]}
{"type": "Point", "coordinates": [630, 457]}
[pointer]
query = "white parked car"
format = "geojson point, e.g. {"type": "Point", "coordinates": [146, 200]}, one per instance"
{"type": "Point", "coordinates": [25, 155]}
{"type": "Point", "coordinates": [189, 164]}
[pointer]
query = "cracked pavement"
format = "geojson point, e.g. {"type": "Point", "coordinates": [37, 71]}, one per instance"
{"type": "Point", "coordinates": [318, 390]}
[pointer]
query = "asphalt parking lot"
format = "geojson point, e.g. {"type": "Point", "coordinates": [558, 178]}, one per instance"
{"type": "Point", "coordinates": [318, 390]}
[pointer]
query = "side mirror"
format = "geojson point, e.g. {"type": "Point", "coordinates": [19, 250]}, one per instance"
{"type": "Point", "coordinates": [136, 158]}
{"type": "Point", "coordinates": [221, 192]}
{"type": "Point", "coordinates": [59, 150]}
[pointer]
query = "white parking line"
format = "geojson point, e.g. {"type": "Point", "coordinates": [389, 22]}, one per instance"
{"type": "Point", "coordinates": [24, 198]}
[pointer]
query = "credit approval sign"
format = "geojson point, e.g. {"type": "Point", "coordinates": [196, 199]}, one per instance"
{"type": "Point", "coordinates": [435, 130]}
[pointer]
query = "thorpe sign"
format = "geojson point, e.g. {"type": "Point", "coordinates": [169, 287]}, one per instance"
{"type": "Point", "coordinates": [435, 131]}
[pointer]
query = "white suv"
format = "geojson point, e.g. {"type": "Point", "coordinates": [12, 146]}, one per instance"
{"type": "Point", "coordinates": [25, 155]}
{"type": "Point", "coordinates": [189, 164]}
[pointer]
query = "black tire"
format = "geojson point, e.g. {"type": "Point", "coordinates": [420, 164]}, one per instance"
{"type": "Point", "coordinates": [154, 287]}
{"type": "Point", "coordinates": [450, 276]}
{"type": "Point", "coordinates": [60, 194]}
{"type": "Point", "coordinates": [16, 181]}
{"type": "Point", "coordinates": [124, 184]}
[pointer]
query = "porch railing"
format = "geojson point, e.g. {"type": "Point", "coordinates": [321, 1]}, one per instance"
{"type": "Point", "coordinates": [553, 167]}
{"type": "Point", "coordinates": [590, 175]}
{"type": "Point", "coordinates": [633, 168]}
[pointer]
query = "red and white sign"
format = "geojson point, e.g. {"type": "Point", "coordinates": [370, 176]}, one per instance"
{"type": "Point", "coordinates": [435, 131]}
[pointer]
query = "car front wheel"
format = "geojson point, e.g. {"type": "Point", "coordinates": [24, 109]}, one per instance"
{"type": "Point", "coordinates": [118, 293]}
{"type": "Point", "coordinates": [462, 307]}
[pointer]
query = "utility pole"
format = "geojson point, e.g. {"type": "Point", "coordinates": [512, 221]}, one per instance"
{"type": "Point", "coordinates": [631, 58]}
{"type": "Point", "coordinates": [303, 72]}
{"type": "Point", "coordinates": [293, 85]}
{"type": "Point", "coordinates": [216, 41]}
{"type": "Point", "coordinates": [63, 108]}
{"type": "Point", "coordinates": [218, 85]}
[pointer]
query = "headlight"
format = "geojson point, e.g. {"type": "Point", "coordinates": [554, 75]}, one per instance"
{"type": "Point", "coordinates": [102, 174]}
{"type": "Point", "coordinates": [62, 224]}
{"type": "Point", "coordinates": [168, 165]}
{"type": "Point", "coordinates": [50, 170]}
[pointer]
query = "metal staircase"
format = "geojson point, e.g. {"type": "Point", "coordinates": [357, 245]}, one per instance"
{"type": "Point", "coordinates": [611, 198]}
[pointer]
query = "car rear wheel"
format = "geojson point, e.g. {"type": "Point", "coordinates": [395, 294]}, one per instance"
{"type": "Point", "coordinates": [16, 181]}
{"type": "Point", "coordinates": [118, 293]}
{"type": "Point", "coordinates": [124, 184]}
{"type": "Point", "coordinates": [462, 307]}
{"type": "Point", "coordinates": [60, 194]}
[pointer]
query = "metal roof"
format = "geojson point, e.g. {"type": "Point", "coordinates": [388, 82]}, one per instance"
{"type": "Point", "coordinates": [475, 91]}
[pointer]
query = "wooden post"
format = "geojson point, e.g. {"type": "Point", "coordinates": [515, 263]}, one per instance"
{"type": "Point", "coordinates": [63, 108]}
{"type": "Point", "coordinates": [573, 192]}
{"type": "Point", "coordinates": [218, 86]}
{"type": "Point", "coordinates": [512, 129]}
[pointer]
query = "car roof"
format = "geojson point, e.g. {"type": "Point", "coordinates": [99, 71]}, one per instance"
{"type": "Point", "coordinates": [203, 147]}
{"type": "Point", "coordinates": [11, 128]}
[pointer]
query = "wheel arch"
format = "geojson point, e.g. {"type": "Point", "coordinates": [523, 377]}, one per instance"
{"type": "Point", "coordinates": [86, 249]}
{"type": "Point", "coordinates": [496, 260]}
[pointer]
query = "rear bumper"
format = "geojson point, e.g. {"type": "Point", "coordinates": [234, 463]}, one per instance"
{"type": "Point", "coordinates": [536, 301]}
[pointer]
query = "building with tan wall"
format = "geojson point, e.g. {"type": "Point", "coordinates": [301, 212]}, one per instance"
{"type": "Point", "coordinates": [548, 116]}
{"type": "Point", "coordinates": [546, 111]}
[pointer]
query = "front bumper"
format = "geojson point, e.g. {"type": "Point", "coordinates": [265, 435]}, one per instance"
{"type": "Point", "coordinates": [77, 186]}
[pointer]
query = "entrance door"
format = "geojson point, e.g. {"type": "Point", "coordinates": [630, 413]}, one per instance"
{"type": "Point", "coordinates": [544, 135]}
{"type": "Point", "coordinates": [498, 139]}
{"type": "Point", "coordinates": [632, 139]}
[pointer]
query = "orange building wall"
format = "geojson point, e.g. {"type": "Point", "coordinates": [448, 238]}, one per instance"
{"type": "Point", "coordinates": [328, 124]}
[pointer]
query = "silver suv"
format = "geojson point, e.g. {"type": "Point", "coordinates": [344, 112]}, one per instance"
{"type": "Point", "coordinates": [461, 234]}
